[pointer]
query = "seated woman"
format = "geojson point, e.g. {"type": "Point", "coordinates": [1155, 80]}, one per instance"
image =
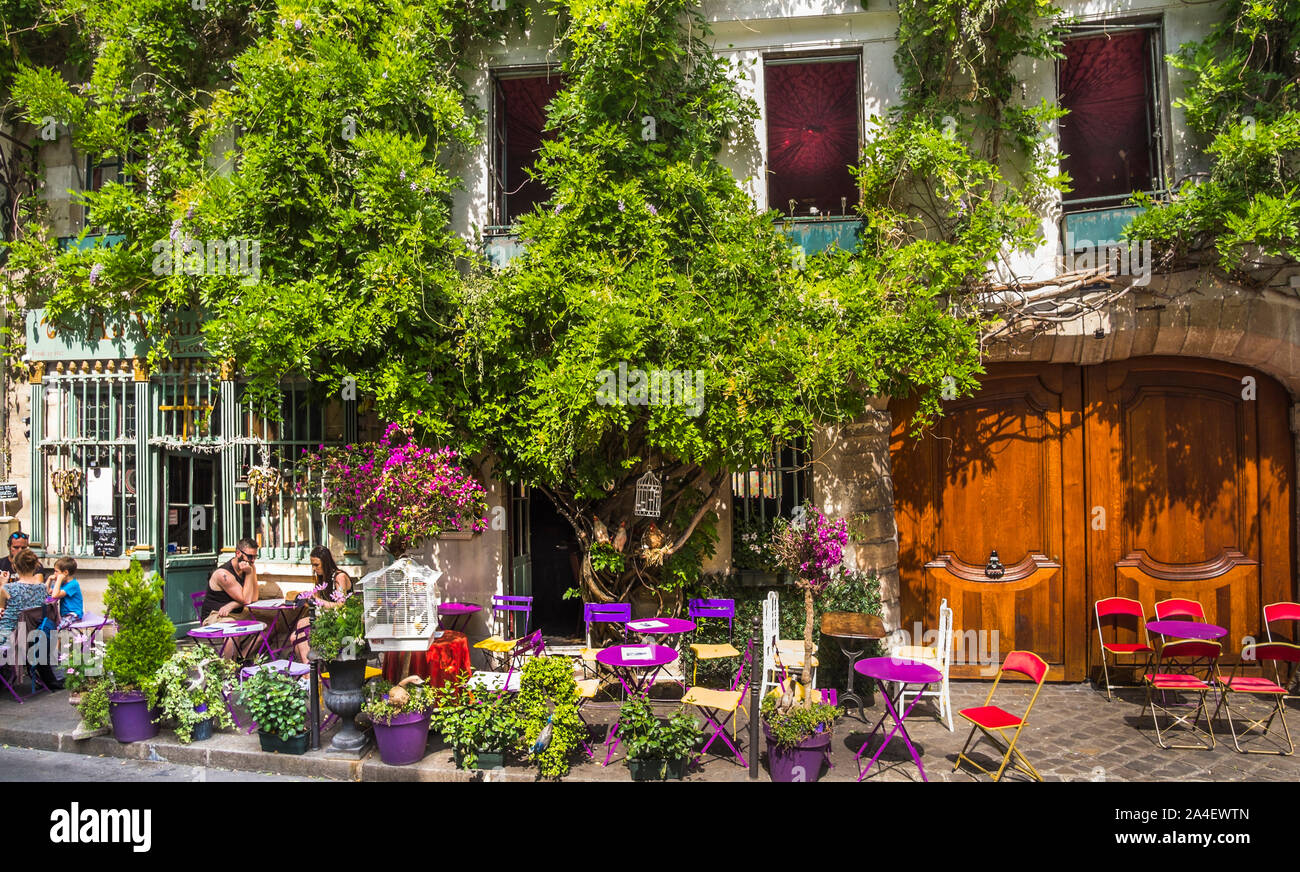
{"type": "Point", "coordinates": [27, 591]}
{"type": "Point", "coordinates": [332, 587]}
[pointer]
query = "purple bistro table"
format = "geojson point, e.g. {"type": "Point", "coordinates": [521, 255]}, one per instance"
{"type": "Point", "coordinates": [90, 624]}
{"type": "Point", "coordinates": [459, 613]}
{"type": "Point", "coordinates": [219, 634]}
{"type": "Point", "coordinates": [281, 619]}
{"type": "Point", "coordinates": [903, 672]}
{"type": "Point", "coordinates": [1187, 630]}
{"type": "Point", "coordinates": [636, 673]}
{"type": "Point", "coordinates": [647, 627]}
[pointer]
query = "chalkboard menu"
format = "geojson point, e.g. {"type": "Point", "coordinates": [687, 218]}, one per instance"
{"type": "Point", "coordinates": [103, 532]}
{"type": "Point", "coordinates": [8, 491]}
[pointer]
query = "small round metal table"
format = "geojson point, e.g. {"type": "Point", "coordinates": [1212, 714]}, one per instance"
{"type": "Point", "coordinates": [853, 631]}
{"type": "Point", "coordinates": [903, 672]}
{"type": "Point", "coordinates": [458, 613]}
{"type": "Point", "coordinates": [1187, 630]}
{"type": "Point", "coordinates": [636, 666]}
{"type": "Point", "coordinates": [220, 633]}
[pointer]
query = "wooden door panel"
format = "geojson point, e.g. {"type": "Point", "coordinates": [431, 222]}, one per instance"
{"type": "Point", "coordinates": [1227, 587]}
{"type": "Point", "coordinates": [990, 479]}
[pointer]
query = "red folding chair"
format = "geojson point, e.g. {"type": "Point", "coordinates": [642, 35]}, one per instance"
{"type": "Point", "coordinates": [1257, 686]}
{"type": "Point", "coordinates": [714, 703]}
{"type": "Point", "coordinates": [994, 721]}
{"type": "Point", "coordinates": [1173, 609]}
{"type": "Point", "coordinates": [1186, 667]}
{"type": "Point", "coordinates": [1283, 612]}
{"type": "Point", "coordinates": [1119, 607]}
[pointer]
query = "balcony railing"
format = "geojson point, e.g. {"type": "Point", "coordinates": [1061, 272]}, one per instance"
{"type": "Point", "coordinates": [92, 240]}
{"type": "Point", "coordinates": [502, 244]}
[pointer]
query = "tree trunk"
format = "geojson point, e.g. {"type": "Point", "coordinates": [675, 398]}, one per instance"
{"type": "Point", "coordinates": [806, 678]}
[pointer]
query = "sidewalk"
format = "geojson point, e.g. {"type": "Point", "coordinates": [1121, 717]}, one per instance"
{"type": "Point", "coordinates": [1073, 735]}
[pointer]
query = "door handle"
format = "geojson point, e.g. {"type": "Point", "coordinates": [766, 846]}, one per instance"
{"type": "Point", "coordinates": [994, 568]}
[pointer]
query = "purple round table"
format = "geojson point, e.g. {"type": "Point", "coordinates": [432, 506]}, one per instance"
{"type": "Point", "coordinates": [636, 674]}
{"type": "Point", "coordinates": [902, 672]}
{"type": "Point", "coordinates": [459, 613]}
{"type": "Point", "coordinates": [1187, 630]}
{"type": "Point", "coordinates": [221, 633]}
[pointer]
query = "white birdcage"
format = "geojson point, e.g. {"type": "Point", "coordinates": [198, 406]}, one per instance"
{"type": "Point", "coordinates": [401, 606]}
{"type": "Point", "coordinates": [648, 495]}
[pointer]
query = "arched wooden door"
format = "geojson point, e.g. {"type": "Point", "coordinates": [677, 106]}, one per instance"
{"type": "Point", "coordinates": [1149, 478]}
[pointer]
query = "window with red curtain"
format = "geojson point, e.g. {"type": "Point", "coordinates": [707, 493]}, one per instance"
{"type": "Point", "coordinates": [519, 121]}
{"type": "Point", "coordinates": [812, 135]}
{"type": "Point", "coordinates": [1105, 82]}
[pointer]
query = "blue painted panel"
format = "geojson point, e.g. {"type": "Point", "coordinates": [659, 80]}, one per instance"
{"type": "Point", "coordinates": [93, 241]}
{"type": "Point", "coordinates": [1098, 227]}
{"type": "Point", "coordinates": [819, 234]}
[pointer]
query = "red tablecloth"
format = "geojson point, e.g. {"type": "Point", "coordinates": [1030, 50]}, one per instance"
{"type": "Point", "coordinates": [447, 656]}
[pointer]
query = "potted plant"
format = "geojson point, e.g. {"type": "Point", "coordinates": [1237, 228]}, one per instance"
{"type": "Point", "coordinates": [799, 729]}
{"type": "Point", "coordinates": [132, 658]}
{"type": "Point", "coordinates": [401, 717]}
{"type": "Point", "coordinates": [278, 703]}
{"type": "Point", "coordinates": [798, 738]}
{"type": "Point", "coordinates": [479, 729]}
{"type": "Point", "coordinates": [657, 749]}
{"type": "Point", "coordinates": [550, 729]}
{"type": "Point", "coordinates": [191, 691]}
{"type": "Point", "coordinates": [338, 636]}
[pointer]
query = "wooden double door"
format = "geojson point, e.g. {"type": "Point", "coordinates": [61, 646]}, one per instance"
{"type": "Point", "coordinates": [1149, 478]}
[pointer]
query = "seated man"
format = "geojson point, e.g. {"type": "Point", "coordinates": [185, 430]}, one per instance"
{"type": "Point", "coordinates": [231, 588]}
{"type": "Point", "coordinates": [18, 542]}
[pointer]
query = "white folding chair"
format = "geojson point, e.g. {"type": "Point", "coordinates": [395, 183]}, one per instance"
{"type": "Point", "coordinates": [779, 655]}
{"type": "Point", "coordinates": [940, 657]}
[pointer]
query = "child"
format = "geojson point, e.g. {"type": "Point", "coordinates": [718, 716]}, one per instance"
{"type": "Point", "coordinates": [65, 588]}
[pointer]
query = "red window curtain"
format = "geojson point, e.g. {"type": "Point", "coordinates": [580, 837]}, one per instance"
{"type": "Point", "coordinates": [1106, 85]}
{"type": "Point", "coordinates": [523, 108]}
{"type": "Point", "coordinates": [812, 135]}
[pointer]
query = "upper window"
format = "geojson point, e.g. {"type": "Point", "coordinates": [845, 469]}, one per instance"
{"type": "Point", "coordinates": [812, 135]}
{"type": "Point", "coordinates": [1111, 137]}
{"type": "Point", "coordinates": [102, 170]}
{"type": "Point", "coordinates": [519, 120]}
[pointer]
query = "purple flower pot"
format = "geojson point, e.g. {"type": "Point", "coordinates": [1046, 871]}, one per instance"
{"type": "Point", "coordinates": [131, 717]}
{"type": "Point", "coordinates": [803, 762]}
{"type": "Point", "coordinates": [402, 739]}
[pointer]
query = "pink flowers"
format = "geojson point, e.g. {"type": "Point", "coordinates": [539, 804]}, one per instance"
{"type": "Point", "coordinates": [812, 550]}
{"type": "Point", "coordinates": [399, 492]}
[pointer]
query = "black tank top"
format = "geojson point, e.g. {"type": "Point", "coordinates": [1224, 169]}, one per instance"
{"type": "Point", "coordinates": [217, 599]}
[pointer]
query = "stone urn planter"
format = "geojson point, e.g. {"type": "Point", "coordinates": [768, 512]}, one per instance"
{"type": "Point", "coordinates": [344, 696]}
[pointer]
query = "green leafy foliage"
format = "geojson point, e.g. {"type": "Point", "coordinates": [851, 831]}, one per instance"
{"type": "Point", "coordinates": [472, 724]}
{"type": "Point", "coordinates": [191, 678]}
{"type": "Point", "coordinates": [93, 706]}
{"type": "Point", "coordinates": [788, 729]}
{"type": "Point", "coordinates": [548, 693]}
{"type": "Point", "coordinates": [648, 737]}
{"type": "Point", "coordinates": [381, 705]}
{"type": "Point", "coordinates": [340, 633]}
{"type": "Point", "coordinates": [276, 701]}
{"type": "Point", "coordinates": [1243, 100]}
{"type": "Point", "coordinates": [144, 639]}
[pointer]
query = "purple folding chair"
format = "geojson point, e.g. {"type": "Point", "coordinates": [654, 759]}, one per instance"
{"type": "Point", "coordinates": [530, 645]}
{"type": "Point", "coordinates": [196, 600]}
{"type": "Point", "coordinates": [602, 613]}
{"type": "Point", "coordinates": [504, 609]}
{"type": "Point", "coordinates": [714, 703]}
{"type": "Point", "coordinates": [714, 608]}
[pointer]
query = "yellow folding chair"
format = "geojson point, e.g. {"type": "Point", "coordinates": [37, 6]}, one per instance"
{"type": "Point", "coordinates": [994, 722]}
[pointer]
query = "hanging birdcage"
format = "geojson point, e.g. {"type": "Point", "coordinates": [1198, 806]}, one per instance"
{"type": "Point", "coordinates": [401, 606]}
{"type": "Point", "coordinates": [649, 496]}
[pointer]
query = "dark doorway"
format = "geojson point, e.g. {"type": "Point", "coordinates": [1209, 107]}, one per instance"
{"type": "Point", "coordinates": [555, 568]}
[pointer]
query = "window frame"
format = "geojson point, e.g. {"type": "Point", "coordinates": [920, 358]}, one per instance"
{"type": "Point", "coordinates": [853, 53]}
{"type": "Point", "coordinates": [68, 403]}
{"type": "Point", "coordinates": [1158, 138]}
{"type": "Point", "coordinates": [790, 468]}
{"type": "Point", "coordinates": [498, 186]}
